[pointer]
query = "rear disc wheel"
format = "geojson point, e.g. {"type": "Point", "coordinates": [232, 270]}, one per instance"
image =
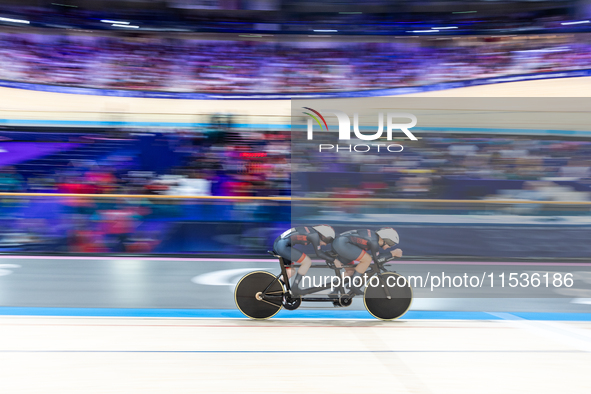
{"type": "Point", "coordinates": [250, 299]}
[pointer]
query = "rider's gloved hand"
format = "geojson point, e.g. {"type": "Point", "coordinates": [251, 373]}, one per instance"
{"type": "Point", "coordinates": [397, 253]}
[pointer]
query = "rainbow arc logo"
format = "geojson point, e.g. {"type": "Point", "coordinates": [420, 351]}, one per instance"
{"type": "Point", "coordinates": [315, 118]}
{"type": "Point", "coordinates": [345, 124]}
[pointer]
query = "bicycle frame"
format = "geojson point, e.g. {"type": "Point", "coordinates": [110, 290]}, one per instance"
{"type": "Point", "coordinates": [275, 292]}
{"type": "Point", "coordinates": [375, 269]}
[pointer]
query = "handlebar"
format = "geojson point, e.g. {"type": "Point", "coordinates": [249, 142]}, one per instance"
{"type": "Point", "coordinates": [389, 259]}
{"type": "Point", "coordinates": [332, 265]}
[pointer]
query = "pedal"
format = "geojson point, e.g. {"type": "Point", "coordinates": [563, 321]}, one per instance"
{"type": "Point", "coordinates": [291, 304]}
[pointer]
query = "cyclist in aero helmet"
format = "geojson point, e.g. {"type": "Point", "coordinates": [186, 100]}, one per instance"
{"type": "Point", "coordinates": [318, 236]}
{"type": "Point", "coordinates": [354, 246]}
{"type": "Point", "coordinates": [389, 235]}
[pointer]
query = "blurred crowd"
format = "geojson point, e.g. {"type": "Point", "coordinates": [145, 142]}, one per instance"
{"type": "Point", "coordinates": [179, 65]}
{"type": "Point", "coordinates": [220, 161]}
{"type": "Point", "coordinates": [224, 162]}
{"type": "Point", "coordinates": [457, 167]}
{"type": "Point", "coordinates": [215, 161]}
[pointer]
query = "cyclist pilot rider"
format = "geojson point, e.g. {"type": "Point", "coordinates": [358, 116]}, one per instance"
{"type": "Point", "coordinates": [317, 236]}
{"type": "Point", "coordinates": [354, 246]}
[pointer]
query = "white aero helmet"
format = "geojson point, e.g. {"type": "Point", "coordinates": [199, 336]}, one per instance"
{"type": "Point", "coordinates": [326, 232]}
{"type": "Point", "coordinates": [389, 235]}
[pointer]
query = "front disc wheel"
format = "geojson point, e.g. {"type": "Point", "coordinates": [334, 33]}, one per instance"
{"type": "Point", "coordinates": [390, 298]}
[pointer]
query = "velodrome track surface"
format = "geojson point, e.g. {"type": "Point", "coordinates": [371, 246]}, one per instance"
{"type": "Point", "coordinates": [130, 325]}
{"type": "Point", "coordinates": [122, 355]}
{"type": "Point", "coordinates": [177, 287]}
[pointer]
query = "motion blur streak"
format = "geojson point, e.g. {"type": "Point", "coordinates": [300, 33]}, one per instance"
{"type": "Point", "coordinates": [149, 157]}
